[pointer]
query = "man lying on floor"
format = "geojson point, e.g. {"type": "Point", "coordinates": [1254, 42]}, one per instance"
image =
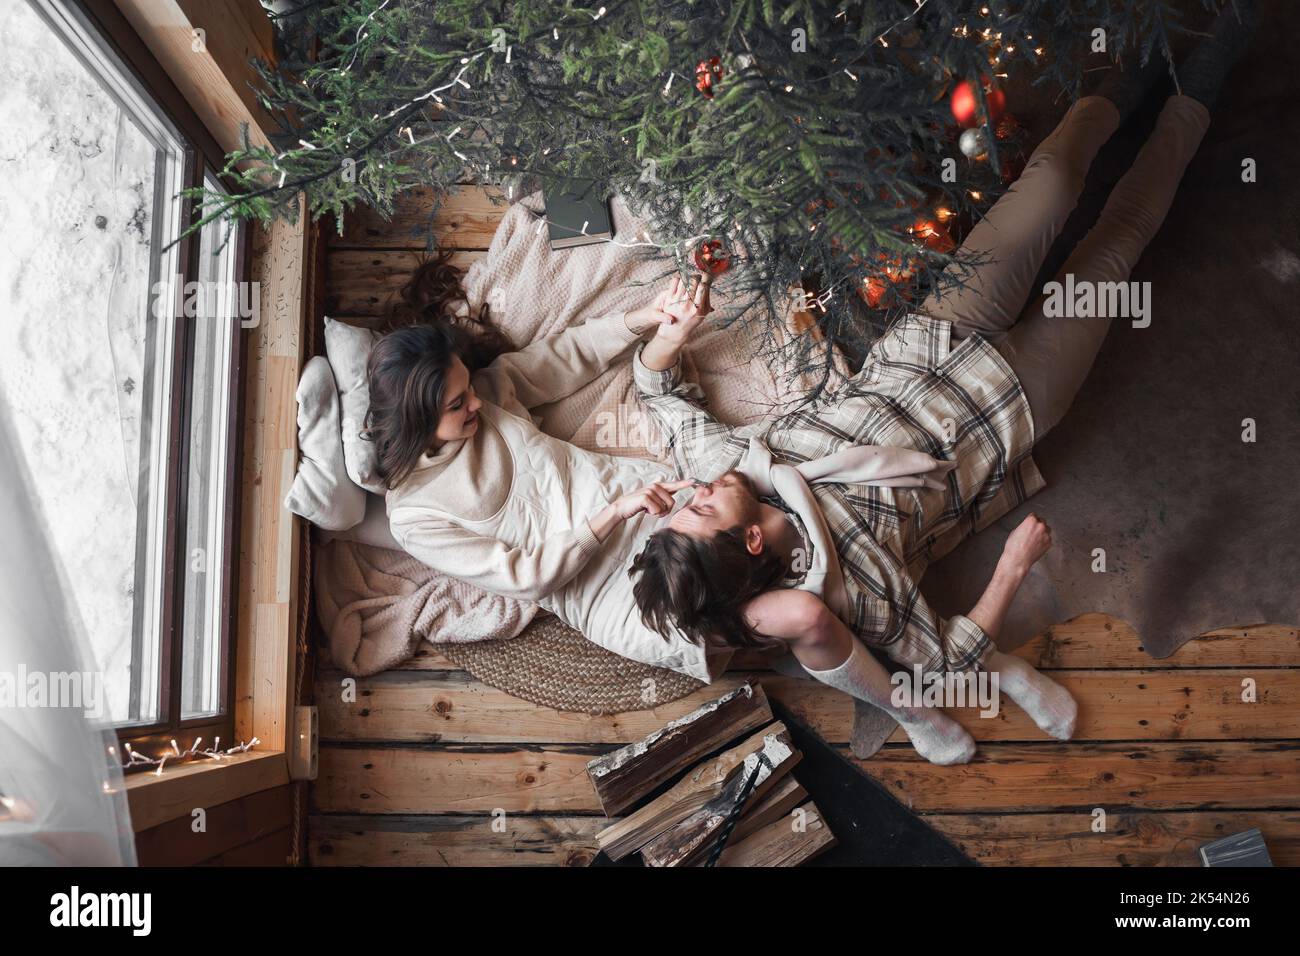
{"type": "Point", "coordinates": [811, 553]}
{"type": "Point", "coordinates": [930, 442]}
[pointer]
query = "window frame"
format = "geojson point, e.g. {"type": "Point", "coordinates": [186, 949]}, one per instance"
{"type": "Point", "coordinates": [203, 157]}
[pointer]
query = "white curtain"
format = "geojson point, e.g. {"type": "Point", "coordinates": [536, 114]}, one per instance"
{"type": "Point", "coordinates": [62, 801]}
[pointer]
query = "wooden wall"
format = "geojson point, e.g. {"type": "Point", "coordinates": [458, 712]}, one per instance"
{"type": "Point", "coordinates": [256, 830]}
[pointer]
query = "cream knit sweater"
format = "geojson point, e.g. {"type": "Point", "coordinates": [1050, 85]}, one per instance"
{"type": "Point", "coordinates": [507, 508]}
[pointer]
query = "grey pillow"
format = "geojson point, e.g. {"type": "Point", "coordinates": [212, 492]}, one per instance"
{"type": "Point", "coordinates": [348, 349]}
{"type": "Point", "coordinates": [322, 492]}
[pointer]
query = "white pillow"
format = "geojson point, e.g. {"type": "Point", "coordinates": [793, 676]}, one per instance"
{"type": "Point", "coordinates": [321, 491]}
{"type": "Point", "coordinates": [348, 349]}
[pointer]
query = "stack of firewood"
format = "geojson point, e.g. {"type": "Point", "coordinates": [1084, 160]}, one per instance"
{"type": "Point", "coordinates": [713, 753]}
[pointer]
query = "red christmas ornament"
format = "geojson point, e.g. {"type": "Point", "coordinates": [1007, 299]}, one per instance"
{"type": "Point", "coordinates": [965, 104]}
{"type": "Point", "coordinates": [708, 73]}
{"type": "Point", "coordinates": [712, 258]}
{"type": "Point", "coordinates": [935, 235]}
{"type": "Point", "coordinates": [873, 291]}
{"type": "Point", "coordinates": [1007, 127]}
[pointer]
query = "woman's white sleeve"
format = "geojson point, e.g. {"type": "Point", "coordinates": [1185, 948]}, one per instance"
{"type": "Point", "coordinates": [528, 574]}
{"type": "Point", "coordinates": [556, 366]}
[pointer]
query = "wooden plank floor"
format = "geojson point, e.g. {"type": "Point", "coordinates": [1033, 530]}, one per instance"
{"type": "Point", "coordinates": [432, 767]}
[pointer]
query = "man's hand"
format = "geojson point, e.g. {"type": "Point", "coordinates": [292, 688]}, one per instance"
{"type": "Point", "coordinates": [1024, 546]}
{"type": "Point", "coordinates": [1027, 544]}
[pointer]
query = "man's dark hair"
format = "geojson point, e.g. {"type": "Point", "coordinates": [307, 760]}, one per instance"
{"type": "Point", "coordinates": [700, 585]}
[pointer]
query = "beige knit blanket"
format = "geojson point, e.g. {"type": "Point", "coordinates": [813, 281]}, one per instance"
{"type": "Point", "coordinates": [376, 605]}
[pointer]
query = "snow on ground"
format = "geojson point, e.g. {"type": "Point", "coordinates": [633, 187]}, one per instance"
{"type": "Point", "coordinates": [76, 196]}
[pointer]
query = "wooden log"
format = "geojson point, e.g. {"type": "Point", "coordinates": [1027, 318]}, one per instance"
{"type": "Point", "coordinates": [630, 773]}
{"type": "Point", "coordinates": [789, 841]}
{"type": "Point", "coordinates": [701, 785]}
{"type": "Point", "coordinates": [694, 838]}
{"type": "Point", "coordinates": [779, 802]}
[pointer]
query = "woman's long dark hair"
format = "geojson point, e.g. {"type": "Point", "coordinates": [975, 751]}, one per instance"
{"type": "Point", "coordinates": [407, 370]}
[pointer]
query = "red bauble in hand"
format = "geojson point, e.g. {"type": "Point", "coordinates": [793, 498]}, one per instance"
{"type": "Point", "coordinates": [965, 104]}
{"type": "Point", "coordinates": [935, 235]}
{"type": "Point", "coordinates": [708, 73]}
{"type": "Point", "coordinates": [873, 291]}
{"type": "Point", "coordinates": [712, 258]}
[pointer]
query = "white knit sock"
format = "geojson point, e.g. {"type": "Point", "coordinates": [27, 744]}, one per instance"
{"type": "Point", "coordinates": [936, 736]}
{"type": "Point", "coordinates": [1047, 702]}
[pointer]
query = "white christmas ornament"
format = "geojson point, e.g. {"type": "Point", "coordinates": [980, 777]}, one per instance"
{"type": "Point", "coordinates": [974, 143]}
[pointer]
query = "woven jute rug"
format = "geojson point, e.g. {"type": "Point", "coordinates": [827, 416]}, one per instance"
{"type": "Point", "coordinates": [552, 664]}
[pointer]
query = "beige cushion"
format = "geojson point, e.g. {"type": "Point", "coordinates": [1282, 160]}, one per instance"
{"type": "Point", "coordinates": [322, 492]}
{"type": "Point", "coordinates": [348, 349]}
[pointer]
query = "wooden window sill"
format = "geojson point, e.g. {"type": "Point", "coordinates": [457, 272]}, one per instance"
{"type": "Point", "coordinates": [178, 791]}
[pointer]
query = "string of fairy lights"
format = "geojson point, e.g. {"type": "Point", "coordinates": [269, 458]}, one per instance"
{"type": "Point", "coordinates": [136, 761]}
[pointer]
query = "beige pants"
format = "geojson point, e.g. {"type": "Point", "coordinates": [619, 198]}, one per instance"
{"type": "Point", "coordinates": [1052, 355]}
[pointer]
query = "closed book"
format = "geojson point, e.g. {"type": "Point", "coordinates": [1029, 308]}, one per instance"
{"type": "Point", "coordinates": [578, 215]}
{"type": "Point", "coordinates": [1241, 849]}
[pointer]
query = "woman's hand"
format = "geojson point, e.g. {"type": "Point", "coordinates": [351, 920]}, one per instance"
{"type": "Point", "coordinates": [654, 499]}
{"type": "Point", "coordinates": [1026, 545]}
{"type": "Point", "coordinates": [677, 311]}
